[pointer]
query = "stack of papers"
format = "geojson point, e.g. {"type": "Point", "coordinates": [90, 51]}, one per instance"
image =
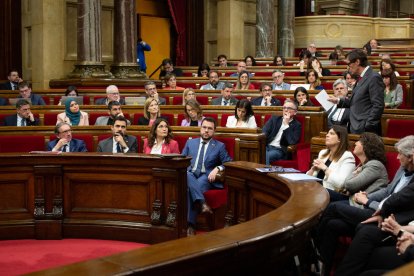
{"type": "Point", "coordinates": [299, 176]}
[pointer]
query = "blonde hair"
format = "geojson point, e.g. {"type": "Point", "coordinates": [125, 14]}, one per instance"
{"type": "Point", "coordinates": [185, 93]}
{"type": "Point", "coordinates": [148, 102]}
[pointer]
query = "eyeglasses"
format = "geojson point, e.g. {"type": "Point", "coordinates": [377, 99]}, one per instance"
{"type": "Point", "coordinates": [277, 77]}
{"type": "Point", "coordinates": [267, 90]}
{"type": "Point", "coordinates": [288, 108]}
{"type": "Point", "coordinates": [66, 131]}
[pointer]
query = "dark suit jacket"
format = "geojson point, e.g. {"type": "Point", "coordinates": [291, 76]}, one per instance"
{"type": "Point", "coordinates": [290, 136]}
{"type": "Point", "coordinates": [273, 101]}
{"type": "Point", "coordinates": [102, 101]}
{"type": "Point", "coordinates": [107, 144]}
{"type": "Point", "coordinates": [216, 155]}
{"type": "Point", "coordinates": [4, 101]}
{"type": "Point", "coordinates": [6, 86]}
{"type": "Point", "coordinates": [366, 104]}
{"type": "Point", "coordinates": [342, 122]}
{"type": "Point", "coordinates": [12, 121]}
{"type": "Point", "coordinates": [177, 72]}
{"type": "Point", "coordinates": [161, 100]}
{"type": "Point", "coordinates": [217, 101]}
{"type": "Point", "coordinates": [35, 99]}
{"type": "Point", "coordinates": [75, 145]}
{"type": "Point", "coordinates": [142, 121]}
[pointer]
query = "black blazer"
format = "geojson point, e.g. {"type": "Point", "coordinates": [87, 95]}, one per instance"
{"type": "Point", "coordinates": [6, 86]}
{"type": "Point", "coordinates": [273, 102]}
{"type": "Point", "coordinates": [4, 101]}
{"type": "Point", "coordinates": [142, 121]}
{"type": "Point", "coordinates": [12, 121]}
{"type": "Point", "coordinates": [103, 101]}
{"type": "Point", "coordinates": [290, 136]}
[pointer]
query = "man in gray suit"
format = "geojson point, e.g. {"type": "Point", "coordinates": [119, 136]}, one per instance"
{"type": "Point", "coordinates": [225, 99]}
{"type": "Point", "coordinates": [215, 83]}
{"type": "Point", "coordinates": [114, 111]}
{"type": "Point", "coordinates": [112, 94]}
{"type": "Point", "coordinates": [278, 83]}
{"type": "Point", "coordinates": [367, 100]}
{"type": "Point", "coordinates": [120, 142]}
{"type": "Point", "coordinates": [151, 90]}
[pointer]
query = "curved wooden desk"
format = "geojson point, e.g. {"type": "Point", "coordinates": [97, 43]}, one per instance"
{"type": "Point", "coordinates": [278, 215]}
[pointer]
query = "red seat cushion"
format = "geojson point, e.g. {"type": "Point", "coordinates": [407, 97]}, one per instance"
{"type": "Point", "coordinates": [22, 143]}
{"type": "Point", "coordinates": [230, 144]}
{"type": "Point", "coordinates": [399, 128]}
{"type": "Point", "coordinates": [181, 140]}
{"type": "Point", "coordinates": [50, 119]}
{"type": "Point", "coordinates": [392, 164]}
{"type": "Point", "coordinates": [216, 197]}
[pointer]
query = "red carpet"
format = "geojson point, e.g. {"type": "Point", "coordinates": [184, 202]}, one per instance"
{"type": "Point", "coordinates": [23, 256]}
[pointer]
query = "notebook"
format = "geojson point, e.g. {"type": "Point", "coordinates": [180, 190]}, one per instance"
{"type": "Point", "coordinates": [135, 100]}
{"type": "Point", "coordinates": [78, 99]}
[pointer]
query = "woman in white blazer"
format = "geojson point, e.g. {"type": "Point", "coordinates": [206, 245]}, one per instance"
{"type": "Point", "coordinates": [72, 114]}
{"type": "Point", "coordinates": [335, 163]}
{"type": "Point", "coordinates": [243, 115]}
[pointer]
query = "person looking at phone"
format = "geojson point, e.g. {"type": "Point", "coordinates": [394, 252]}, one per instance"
{"type": "Point", "coordinates": [120, 142]}
{"type": "Point", "coordinates": [64, 141]}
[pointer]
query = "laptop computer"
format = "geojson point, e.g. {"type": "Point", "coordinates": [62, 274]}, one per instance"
{"type": "Point", "coordinates": [78, 99]}
{"type": "Point", "coordinates": [13, 101]}
{"type": "Point", "coordinates": [135, 100]}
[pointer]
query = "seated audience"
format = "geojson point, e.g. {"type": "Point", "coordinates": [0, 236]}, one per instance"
{"type": "Point", "coordinates": [304, 57]}
{"type": "Point", "coordinates": [151, 112]}
{"type": "Point", "coordinates": [313, 50]}
{"type": "Point", "coordinates": [71, 91]}
{"type": "Point", "coordinates": [120, 142]}
{"type": "Point", "coordinates": [170, 82]}
{"type": "Point", "coordinates": [335, 163]}
{"type": "Point", "coordinates": [337, 55]}
{"type": "Point", "coordinates": [193, 114]}
{"type": "Point", "coordinates": [367, 49]}
{"type": "Point", "coordinates": [315, 64]}
{"type": "Point", "coordinates": [112, 94]}
{"type": "Point", "coordinates": [393, 93]}
{"type": "Point", "coordinates": [188, 94]}
{"type": "Point", "coordinates": [23, 117]}
{"type": "Point", "coordinates": [64, 141]}
{"type": "Point", "coordinates": [26, 93]}
{"type": "Point", "coordinates": [215, 83]}
{"type": "Point", "coordinates": [208, 156]}
{"type": "Point", "coordinates": [222, 60]}
{"type": "Point", "coordinates": [151, 92]}
{"type": "Point", "coordinates": [388, 64]}
{"type": "Point", "coordinates": [350, 80]}
{"type": "Point", "coordinates": [115, 110]}
{"type": "Point", "coordinates": [243, 116]}
{"type": "Point", "coordinates": [278, 84]}
{"type": "Point", "coordinates": [243, 81]}
{"type": "Point", "coordinates": [279, 61]}
{"type": "Point", "coordinates": [250, 61]}
{"type": "Point", "coordinates": [13, 81]}
{"type": "Point", "coordinates": [72, 115]}
{"type": "Point", "coordinates": [266, 98]}
{"type": "Point", "coordinates": [241, 67]}
{"type": "Point", "coordinates": [203, 70]}
{"type": "Point", "coordinates": [301, 97]}
{"type": "Point", "coordinates": [282, 131]}
{"type": "Point", "coordinates": [341, 219]}
{"type": "Point", "coordinates": [373, 43]}
{"type": "Point", "coordinates": [160, 139]}
{"type": "Point", "coordinates": [338, 115]}
{"type": "Point", "coordinates": [226, 98]}
{"type": "Point", "coordinates": [168, 68]}
{"type": "Point", "coordinates": [313, 79]}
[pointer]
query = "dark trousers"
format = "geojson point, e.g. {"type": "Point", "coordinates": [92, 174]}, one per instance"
{"type": "Point", "coordinates": [338, 219]}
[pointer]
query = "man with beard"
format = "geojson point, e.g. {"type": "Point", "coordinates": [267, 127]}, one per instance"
{"type": "Point", "coordinates": [215, 83]}
{"type": "Point", "coordinates": [114, 111]}
{"type": "Point", "coordinates": [120, 142]}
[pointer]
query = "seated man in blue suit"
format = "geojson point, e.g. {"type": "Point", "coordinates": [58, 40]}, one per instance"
{"type": "Point", "coordinates": [26, 93]}
{"type": "Point", "coordinates": [64, 141]}
{"type": "Point", "coordinates": [208, 156]}
{"type": "Point", "coordinates": [266, 98]}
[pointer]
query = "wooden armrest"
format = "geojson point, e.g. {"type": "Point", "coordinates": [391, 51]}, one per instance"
{"type": "Point", "coordinates": [220, 176]}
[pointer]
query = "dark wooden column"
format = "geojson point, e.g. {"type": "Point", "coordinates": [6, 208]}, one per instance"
{"type": "Point", "coordinates": [11, 37]}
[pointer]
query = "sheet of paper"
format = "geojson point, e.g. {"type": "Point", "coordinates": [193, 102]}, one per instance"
{"type": "Point", "coordinates": [322, 98]}
{"type": "Point", "coordinates": [293, 86]}
{"type": "Point", "coordinates": [299, 176]}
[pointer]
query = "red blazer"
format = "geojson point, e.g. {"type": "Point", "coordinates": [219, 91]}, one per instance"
{"type": "Point", "coordinates": [172, 147]}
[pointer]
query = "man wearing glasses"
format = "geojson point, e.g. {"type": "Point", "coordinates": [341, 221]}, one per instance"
{"type": "Point", "coordinates": [282, 131]}
{"type": "Point", "coordinates": [278, 83]}
{"type": "Point", "coordinates": [64, 141]}
{"type": "Point", "coordinates": [366, 103]}
{"type": "Point", "coordinates": [266, 98]}
{"type": "Point", "coordinates": [112, 94]}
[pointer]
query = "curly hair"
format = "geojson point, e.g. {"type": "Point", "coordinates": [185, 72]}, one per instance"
{"type": "Point", "coordinates": [373, 147]}
{"type": "Point", "coordinates": [152, 135]}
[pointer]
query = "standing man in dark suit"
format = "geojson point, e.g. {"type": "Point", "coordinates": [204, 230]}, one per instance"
{"type": "Point", "coordinates": [226, 98]}
{"type": "Point", "coordinates": [120, 142]}
{"type": "Point", "coordinates": [24, 116]}
{"type": "Point", "coordinates": [13, 83]}
{"type": "Point", "coordinates": [26, 93]}
{"type": "Point", "coordinates": [367, 100]}
{"type": "Point", "coordinates": [282, 131]}
{"type": "Point", "coordinates": [208, 156]}
{"type": "Point", "coordinates": [64, 141]}
{"type": "Point", "coordinates": [112, 94]}
{"type": "Point", "coordinates": [266, 98]}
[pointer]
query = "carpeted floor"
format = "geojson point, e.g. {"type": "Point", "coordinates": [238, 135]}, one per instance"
{"type": "Point", "coordinates": [23, 256]}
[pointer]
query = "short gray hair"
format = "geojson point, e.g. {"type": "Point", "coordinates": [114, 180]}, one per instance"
{"type": "Point", "coordinates": [339, 81]}
{"type": "Point", "coordinates": [406, 145]}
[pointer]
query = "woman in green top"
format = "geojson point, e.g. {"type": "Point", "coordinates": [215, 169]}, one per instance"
{"type": "Point", "coordinates": [393, 93]}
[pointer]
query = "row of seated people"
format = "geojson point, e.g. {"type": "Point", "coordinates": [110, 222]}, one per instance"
{"type": "Point", "coordinates": [359, 192]}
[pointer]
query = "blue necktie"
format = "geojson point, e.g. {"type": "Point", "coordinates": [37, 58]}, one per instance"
{"type": "Point", "coordinates": [64, 148]}
{"type": "Point", "coordinates": [118, 148]}
{"type": "Point", "coordinates": [197, 171]}
{"type": "Point", "coordinates": [225, 102]}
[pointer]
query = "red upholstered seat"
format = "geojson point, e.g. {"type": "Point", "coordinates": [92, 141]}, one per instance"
{"type": "Point", "coordinates": [399, 128]}
{"type": "Point", "coordinates": [216, 198]}
{"type": "Point", "coordinates": [22, 143]}
{"type": "Point", "coordinates": [181, 140]}
{"type": "Point", "coordinates": [2, 116]}
{"type": "Point", "coordinates": [94, 115]}
{"type": "Point", "coordinates": [224, 117]}
{"type": "Point", "coordinates": [315, 101]}
{"type": "Point", "coordinates": [50, 119]}
{"type": "Point", "coordinates": [392, 164]}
